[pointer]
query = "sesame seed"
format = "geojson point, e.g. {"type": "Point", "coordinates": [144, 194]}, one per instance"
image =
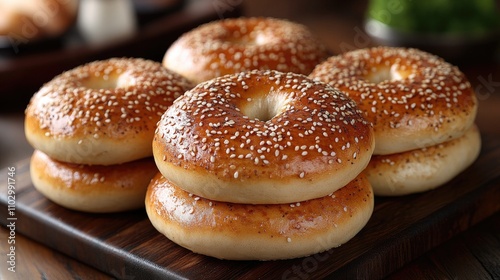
{"type": "Point", "coordinates": [209, 121]}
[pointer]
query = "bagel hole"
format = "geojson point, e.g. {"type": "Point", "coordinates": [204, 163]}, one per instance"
{"type": "Point", "coordinates": [240, 40]}
{"type": "Point", "coordinates": [385, 74]}
{"type": "Point", "coordinates": [247, 40]}
{"type": "Point", "coordinates": [100, 83]}
{"type": "Point", "coordinates": [266, 107]}
{"type": "Point", "coordinates": [110, 82]}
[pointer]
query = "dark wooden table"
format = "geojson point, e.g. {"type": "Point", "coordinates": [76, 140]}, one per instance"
{"type": "Point", "coordinates": [473, 254]}
{"type": "Point", "coordinates": [470, 250]}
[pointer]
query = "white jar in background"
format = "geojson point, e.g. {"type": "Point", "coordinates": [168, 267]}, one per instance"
{"type": "Point", "coordinates": [103, 21]}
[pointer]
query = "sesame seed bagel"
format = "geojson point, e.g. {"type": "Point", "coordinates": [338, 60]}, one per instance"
{"type": "Point", "coordinates": [234, 45]}
{"type": "Point", "coordinates": [259, 232]}
{"type": "Point", "coordinates": [104, 112]}
{"type": "Point", "coordinates": [423, 169]}
{"type": "Point", "coordinates": [92, 188]}
{"type": "Point", "coordinates": [414, 99]}
{"type": "Point", "coordinates": [262, 137]}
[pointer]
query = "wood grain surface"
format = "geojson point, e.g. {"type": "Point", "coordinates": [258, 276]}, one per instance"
{"type": "Point", "coordinates": [473, 254]}
{"type": "Point", "coordinates": [400, 230]}
{"type": "Point", "coordinates": [33, 260]}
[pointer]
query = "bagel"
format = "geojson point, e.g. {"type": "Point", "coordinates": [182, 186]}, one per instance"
{"type": "Point", "coordinates": [258, 232]}
{"type": "Point", "coordinates": [96, 188]}
{"type": "Point", "coordinates": [414, 99]}
{"type": "Point", "coordinates": [32, 20]}
{"type": "Point", "coordinates": [262, 137]}
{"type": "Point", "coordinates": [103, 113]}
{"type": "Point", "coordinates": [240, 44]}
{"type": "Point", "coordinates": [423, 169]}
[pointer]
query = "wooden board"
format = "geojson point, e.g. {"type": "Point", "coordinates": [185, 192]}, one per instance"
{"type": "Point", "coordinates": [126, 245]}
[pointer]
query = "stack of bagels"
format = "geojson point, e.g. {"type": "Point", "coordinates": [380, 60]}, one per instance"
{"type": "Point", "coordinates": [422, 110]}
{"type": "Point", "coordinates": [92, 128]}
{"type": "Point", "coordinates": [249, 171]}
{"type": "Point", "coordinates": [248, 141]}
{"type": "Point", "coordinates": [258, 164]}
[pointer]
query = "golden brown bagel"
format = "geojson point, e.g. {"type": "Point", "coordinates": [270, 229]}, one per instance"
{"type": "Point", "coordinates": [97, 189]}
{"type": "Point", "coordinates": [233, 45]}
{"type": "Point", "coordinates": [104, 112]}
{"type": "Point", "coordinates": [414, 99]}
{"type": "Point", "coordinates": [262, 137]}
{"type": "Point", "coordinates": [258, 232]}
{"type": "Point", "coordinates": [31, 20]}
{"type": "Point", "coordinates": [423, 169]}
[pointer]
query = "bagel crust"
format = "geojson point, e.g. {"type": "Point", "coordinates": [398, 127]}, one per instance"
{"type": "Point", "coordinates": [96, 189]}
{"type": "Point", "coordinates": [102, 113]}
{"type": "Point", "coordinates": [262, 137]}
{"type": "Point", "coordinates": [414, 99]}
{"type": "Point", "coordinates": [234, 45]}
{"type": "Point", "coordinates": [423, 169]}
{"type": "Point", "coordinates": [258, 232]}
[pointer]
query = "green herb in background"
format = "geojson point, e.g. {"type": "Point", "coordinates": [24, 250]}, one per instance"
{"type": "Point", "coordinates": [450, 17]}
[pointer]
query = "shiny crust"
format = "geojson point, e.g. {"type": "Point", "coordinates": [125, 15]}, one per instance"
{"type": "Point", "coordinates": [414, 99]}
{"type": "Point", "coordinates": [97, 189]}
{"type": "Point", "coordinates": [423, 169]}
{"type": "Point", "coordinates": [262, 137]}
{"type": "Point", "coordinates": [259, 232]}
{"type": "Point", "coordinates": [104, 112]}
{"type": "Point", "coordinates": [233, 45]}
{"type": "Point", "coordinates": [32, 20]}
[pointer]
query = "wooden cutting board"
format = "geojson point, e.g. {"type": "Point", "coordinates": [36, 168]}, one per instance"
{"type": "Point", "coordinates": [126, 245]}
